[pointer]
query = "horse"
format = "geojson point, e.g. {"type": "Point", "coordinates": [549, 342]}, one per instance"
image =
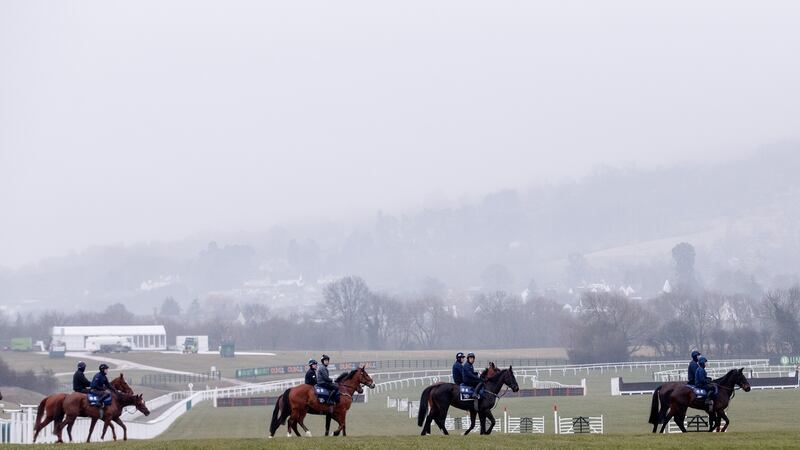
{"type": "Point", "coordinates": [678, 397]}
{"type": "Point", "coordinates": [51, 407]}
{"type": "Point", "coordinates": [486, 373]}
{"type": "Point", "coordinates": [77, 404]}
{"type": "Point", "coordinates": [441, 396]}
{"type": "Point", "coordinates": [300, 400]}
{"type": "Point", "coordinates": [279, 406]}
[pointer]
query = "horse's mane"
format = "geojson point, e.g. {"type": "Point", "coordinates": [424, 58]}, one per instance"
{"type": "Point", "coordinates": [497, 375]}
{"type": "Point", "coordinates": [725, 377]}
{"type": "Point", "coordinates": [346, 376]}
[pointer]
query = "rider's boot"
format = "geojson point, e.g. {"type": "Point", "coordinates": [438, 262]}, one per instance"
{"type": "Point", "coordinates": [710, 405]}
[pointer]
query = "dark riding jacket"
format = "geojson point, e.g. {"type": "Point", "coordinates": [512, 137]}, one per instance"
{"type": "Point", "coordinates": [79, 382]}
{"type": "Point", "coordinates": [100, 382]}
{"type": "Point", "coordinates": [457, 368]}
{"type": "Point", "coordinates": [693, 366]}
{"type": "Point", "coordinates": [701, 379]}
{"type": "Point", "coordinates": [311, 377]}
{"type": "Point", "coordinates": [469, 376]}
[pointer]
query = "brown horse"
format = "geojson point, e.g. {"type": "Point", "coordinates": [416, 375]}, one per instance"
{"type": "Point", "coordinates": [279, 403]}
{"type": "Point", "coordinates": [77, 405]}
{"type": "Point", "coordinates": [51, 408]}
{"type": "Point", "coordinates": [300, 400]}
{"type": "Point", "coordinates": [676, 397]}
{"type": "Point", "coordinates": [437, 399]}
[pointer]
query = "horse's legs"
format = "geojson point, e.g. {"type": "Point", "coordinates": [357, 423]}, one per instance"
{"type": "Point", "coordinates": [327, 424]}
{"type": "Point", "coordinates": [471, 422]}
{"type": "Point", "coordinates": [667, 418]}
{"type": "Point", "coordinates": [680, 417]}
{"type": "Point", "coordinates": [489, 416]}
{"type": "Point", "coordinates": [107, 423]}
{"type": "Point", "coordinates": [45, 422]}
{"type": "Point", "coordinates": [124, 428]}
{"type": "Point", "coordinates": [91, 429]}
{"type": "Point", "coordinates": [300, 421]}
{"type": "Point", "coordinates": [713, 421]}
{"type": "Point", "coordinates": [725, 417]}
{"type": "Point", "coordinates": [289, 422]}
{"type": "Point", "coordinates": [439, 419]}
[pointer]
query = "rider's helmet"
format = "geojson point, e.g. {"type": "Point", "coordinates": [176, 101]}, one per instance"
{"type": "Point", "coordinates": [695, 354]}
{"type": "Point", "coordinates": [81, 365]}
{"type": "Point", "coordinates": [702, 361]}
{"type": "Point", "coordinates": [312, 361]}
{"type": "Point", "coordinates": [470, 355]}
{"type": "Point", "coordinates": [459, 356]}
{"type": "Point", "coordinates": [325, 358]}
{"type": "Point", "coordinates": [103, 366]}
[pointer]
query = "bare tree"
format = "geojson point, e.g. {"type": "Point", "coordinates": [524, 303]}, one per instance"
{"type": "Point", "coordinates": [345, 300]}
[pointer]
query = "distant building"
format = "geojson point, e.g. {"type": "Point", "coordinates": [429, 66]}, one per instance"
{"type": "Point", "coordinates": [143, 337]}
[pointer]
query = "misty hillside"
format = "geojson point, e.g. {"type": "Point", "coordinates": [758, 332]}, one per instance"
{"type": "Point", "coordinates": [617, 225]}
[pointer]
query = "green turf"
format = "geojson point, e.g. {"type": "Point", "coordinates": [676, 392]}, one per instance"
{"type": "Point", "coordinates": [732, 440]}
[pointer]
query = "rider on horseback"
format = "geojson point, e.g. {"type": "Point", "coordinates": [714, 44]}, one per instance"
{"type": "Point", "coordinates": [703, 381]}
{"type": "Point", "coordinates": [311, 375]}
{"type": "Point", "coordinates": [324, 379]}
{"type": "Point", "coordinates": [79, 381]}
{"type": "Point", "coordinates": [100, 385]}
{"type": "Point", "coordinates": [693, 366]}
{"type": "Point", "coordinates": [458, 366]}
{"type": "Point", "coordinates": [470, 376]}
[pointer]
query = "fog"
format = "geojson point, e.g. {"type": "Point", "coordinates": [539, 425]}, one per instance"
{"type": "Point", "coordinates": [123, 122]}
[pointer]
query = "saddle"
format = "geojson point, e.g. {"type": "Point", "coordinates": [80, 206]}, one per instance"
{"type": "Point", "coordinates": [324, 395]}
{"type": "Point", "coordinates": [465, 392]}
{"type": "Point", "coordinates": [94, 400]}
{"type": "Point", "coordinates": [698, 392]}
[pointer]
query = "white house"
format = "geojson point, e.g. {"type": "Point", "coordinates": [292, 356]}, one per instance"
{"type": "Point", "coordinates": [143, 337]}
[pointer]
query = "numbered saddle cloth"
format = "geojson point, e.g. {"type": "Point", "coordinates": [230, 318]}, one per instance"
{"type": "Point", "coordinates": [698, 392]}
{"type": "Point", "coordinates": [324, 394]}
{"type": "Point", "coordinates": [466, 392]}
{"type": "Point", "coordinates": [94, 399]}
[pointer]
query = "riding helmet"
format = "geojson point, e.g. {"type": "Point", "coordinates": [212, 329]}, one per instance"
{"type": "Point", "coordinates": [459, 355]}
{"type": "Point", "coordinates": [470, 355]}
{"type": "Point", "coordinates": [81, 365]}
{"type": "Point", "coordinates": [324, 357]}
{"type": "Point", "coordinates": [695, 354]}
{"type": "Point", "coordinates": [702, 361]}
{"type": "Point", "coordinates": [103, 366]}
{"type": "Point", "coordinates": [312, 361]}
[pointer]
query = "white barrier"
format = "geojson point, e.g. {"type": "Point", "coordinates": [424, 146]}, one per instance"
{"type": "Point", "coordinates": [523, 424]}
{"type": "Point", "coordinates": [716, 372]}
{"type": "Point", "coordinates": [573, 425]}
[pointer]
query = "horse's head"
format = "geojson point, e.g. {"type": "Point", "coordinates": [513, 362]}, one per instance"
{"type": "Point", "coordinates": [490, 371]}
{"type": "Point", "coordinates": [741, 380]}
{"type": "Point", "coordinates": [364, 378]}
{"type": "Point", "coordinates": [120, 384]}
{"type": "Point", "coordinates": [140, 406]}
{"type": "Point", "coordinates": [509, 379]}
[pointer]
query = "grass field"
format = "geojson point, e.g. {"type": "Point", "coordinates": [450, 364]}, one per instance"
{"type": "Point", "coordinates": [733, 440]}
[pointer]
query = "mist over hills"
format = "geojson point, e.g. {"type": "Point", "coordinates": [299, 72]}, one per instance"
{"type": "Point", "coordinates": [616, 225]}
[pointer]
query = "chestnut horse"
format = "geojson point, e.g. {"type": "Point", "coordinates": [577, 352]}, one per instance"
{"type": "Point", "coordinates": [300, 400]}
{"type": "Point", "coordinates": [676, 397]}
{"type": "Point", "coordinates": [52, 407]}
{"type": "Point", "coordinates": [280, 404]}
{"type": "Point", "coordinates": [77, 405]}
{"type": "Point", "coordinates": [441, 396]}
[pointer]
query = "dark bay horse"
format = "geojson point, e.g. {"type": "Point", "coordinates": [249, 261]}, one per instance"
{"type": "Point", "coordinates": [77, 405]}
{"type": "Point", "coordinates": [301, 400]}
{"type": "Point", "coordinates": [51, 407]}
{"type": "Point", "coordinates": [445, 386]}
{"type": "Point", "coordinates": [671, 400]}
{"type": "Point", "coordinates": [437, 399]}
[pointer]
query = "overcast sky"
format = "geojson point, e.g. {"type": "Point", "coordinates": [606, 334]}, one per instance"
{"type": "Point", "coordinates": [129, 121]}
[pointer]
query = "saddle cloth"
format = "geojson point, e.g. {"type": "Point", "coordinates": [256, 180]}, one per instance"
{"type": "Point", "coordinates": [324, 394]}
{"type": "Point", "coordinates": [698, 392]}
{"type": "Point", "coordinates": [465, 392]}
{"type": "Point", "coordinates": [94, 400]}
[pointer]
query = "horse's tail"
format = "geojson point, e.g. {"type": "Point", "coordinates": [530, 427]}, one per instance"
{"type": "Point", "coordinates": [654, 407]}
{"type": "Point", "coordinates": [39, 413]}
{"type": "Point", "coordinates": [423, 405]}
{"type": "Point", "coordinates": [286, 408]}
{"type": "Point", "coordinates": [277, 412]}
